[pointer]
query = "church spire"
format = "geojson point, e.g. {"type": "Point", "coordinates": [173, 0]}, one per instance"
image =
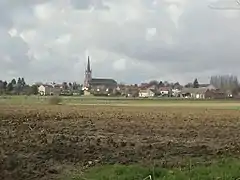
{"type": "Point", "coordinates": [88, 65]}
{"type": "Point", "coordinates": [88, 74]}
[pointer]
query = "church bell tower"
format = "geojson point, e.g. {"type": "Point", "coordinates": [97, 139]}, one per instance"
{"type": "Point", "coordinates": [88, 74]}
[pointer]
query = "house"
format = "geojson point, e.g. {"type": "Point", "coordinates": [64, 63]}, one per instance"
{"type": "Point", "coordinates": [129, 90]}
{"type": "Point", "coordinates": [229, 93]}
{"type": "Point", "coordinates": [86, 93]}
{"type": "Point", "coordinates": [146, 93]}
{"type": "Point", "coordinates": [176, 92]}
{"type": "Point", "coordinates": [57, 89]}
{"type": "Point", "coordinates": [47, 89]}
{"type": "Point", "coordinates": [215, 94]}
{"type": "Point", "coordinates": [196, 93]}
{"type": "Point", "coordinates": [164, 91]}
{"type": "Point", "coordinates": [205, 91]}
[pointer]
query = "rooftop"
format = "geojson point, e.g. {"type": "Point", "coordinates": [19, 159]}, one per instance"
{"type": "Point", "coordinates": [97, 81]}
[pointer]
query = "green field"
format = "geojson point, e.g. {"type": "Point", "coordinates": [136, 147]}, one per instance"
{"type": "Point", "coordinates": [227, 169]}
{"type": "Point", "coordinates": [122, 101]}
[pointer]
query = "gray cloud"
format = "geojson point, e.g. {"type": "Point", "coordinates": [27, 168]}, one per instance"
{"type": "Point", "coordinates": [131, 41]}
{"type": "Point", "coordinates": [87, 4]}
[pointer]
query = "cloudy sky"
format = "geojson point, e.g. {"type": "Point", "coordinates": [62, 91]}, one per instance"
{"type": "Point", "coordinates": [128, 40]}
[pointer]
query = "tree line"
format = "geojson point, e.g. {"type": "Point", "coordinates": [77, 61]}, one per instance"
{"type": "Point", "coordinates": [71, 86]}
{"type": "Point", "coordinates": [17, 87]}
{"type": "Point", "coordinates": [20, 87]}
{"type": "Point", "coordinates": [225, 82]}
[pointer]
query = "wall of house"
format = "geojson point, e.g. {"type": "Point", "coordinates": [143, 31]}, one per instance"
{"type": "Point", "coordinates": [200, 96]}
{"type": "Point", "coordinates": [215, 95]}
{"type": "Point", "coordinates": [86, 93]}
{"type": "Point", "coordinates": [194, 95]}
{"type": "Point", "coordinates": [42, 90]}
{"type": "Point", "coordinates": [56, 91]}
{"type": "Point", "coordinates": [143, 94]}
{"type": "Point", "coordinates": [46, 90]}
{"type": "Point", "coordinates": [164, 92]}
{"type": "Point", "coordinates": [147, 93]}
{"type": "Point", "coordinates": [176, 92]}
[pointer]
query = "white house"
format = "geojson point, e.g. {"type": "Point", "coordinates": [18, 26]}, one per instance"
{"type": "Point", "coordinates": [176, 92]}
{"type": "Point", "coordinates": [46, 89]}
{"type": "Point", "coordinates": [164, 91]}
{"type": "Point", "coordinates": [196, 93]}
{"type": "Point", "coordinates": [146, 93]}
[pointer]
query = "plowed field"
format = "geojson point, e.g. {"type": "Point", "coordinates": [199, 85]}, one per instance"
{"type": "Point", "coordinates": [38, 142]}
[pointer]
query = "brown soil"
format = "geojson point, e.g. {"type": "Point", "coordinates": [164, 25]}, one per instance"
{"type": "Point", "coordinates": [37, 142]}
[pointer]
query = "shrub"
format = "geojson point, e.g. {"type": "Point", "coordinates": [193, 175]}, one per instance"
{"type": "Point", "coordinates": [55, 100]}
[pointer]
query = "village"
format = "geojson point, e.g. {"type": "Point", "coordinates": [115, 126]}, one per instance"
{"type": "Point", "coordinates": [145, 90]}
{"type": "Point", "coordinates": [153, 89]}
{"type": "Point", "coordinates": [219, 87]}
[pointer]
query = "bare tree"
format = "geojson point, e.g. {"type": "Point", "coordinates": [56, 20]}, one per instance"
{"type": "Point", "coordinates": [189, 85]}
{"type": "Point", "coordinates": [153, 82]}
{"type": "Point", "coordinates": [225, 82]}
{"type": "Point", "coordinates": [161, 84]}
{"type": "Point", "coordinates": [195, 83]}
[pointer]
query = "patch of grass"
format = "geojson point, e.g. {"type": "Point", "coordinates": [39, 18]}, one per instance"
{"type": "Point", "coordinates": [122, 101]}
{"type": "Point", "coordinates": [55, 100]}
{"type": "Point", "coordinates": [224, 169]}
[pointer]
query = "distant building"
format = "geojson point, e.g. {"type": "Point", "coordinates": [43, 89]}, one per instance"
{"type": "Point", "coordinates": [146, 93]}
{"type": "Point", "coordinates": [196, 93]}
{"type": "Point", "coordinates": [44, 89]}
{"type": "Point", "coordinates": [97, 84]}
{"type": "Point", "coordinates": [47, 89]}
{"type": "Point", "coordinates": [164, 91]}
{"type": "Point", "coordinates": [206, 92]}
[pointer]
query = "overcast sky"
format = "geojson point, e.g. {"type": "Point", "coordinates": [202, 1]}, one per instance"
{"type": "Point", "coordinates": [128, 40]}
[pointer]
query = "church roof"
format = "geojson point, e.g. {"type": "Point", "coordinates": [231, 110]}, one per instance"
{"type": "Point", "coordinates": [97, 81]}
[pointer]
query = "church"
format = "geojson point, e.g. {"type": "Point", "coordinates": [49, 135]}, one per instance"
{"type": "Point", "coordinates": [97, 84]}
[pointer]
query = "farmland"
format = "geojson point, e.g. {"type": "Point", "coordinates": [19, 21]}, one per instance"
{"type": "Point", "coordinates": [41, 141]}
{"type": "Point", "coordinates": [122, 101]}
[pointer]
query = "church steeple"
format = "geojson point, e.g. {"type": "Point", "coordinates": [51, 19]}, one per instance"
{"type": "Point", "coordinates": [88, 74]}
{"type": "Point", "coordinates": [88, 65]}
